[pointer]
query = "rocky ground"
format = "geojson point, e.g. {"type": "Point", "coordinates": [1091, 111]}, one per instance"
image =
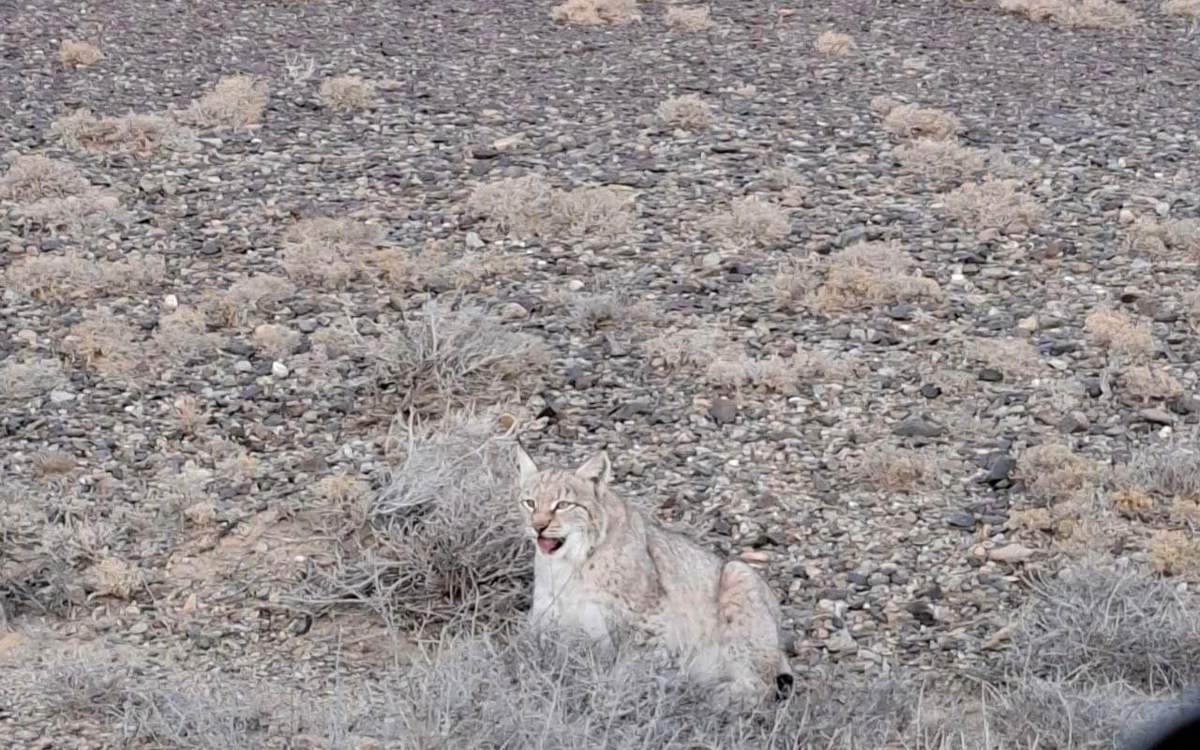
{"type": "Point", "coordinates": [170, 429]}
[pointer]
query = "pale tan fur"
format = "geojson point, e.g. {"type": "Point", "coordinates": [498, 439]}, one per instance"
{"type": "Point", "coordinates": [619, 572]}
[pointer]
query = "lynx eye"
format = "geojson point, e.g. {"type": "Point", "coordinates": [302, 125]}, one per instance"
{"type": "Point", "coordinates": [528, 503]}
{"type": "Point", "coordinates": [564, 505]}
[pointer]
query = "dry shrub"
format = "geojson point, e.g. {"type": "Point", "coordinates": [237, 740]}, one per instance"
{"type": "Point", "coordinates": [1118, 334]}
{"type": "Point", "coordinates": [750, 221]}
{"type": "Point", "coordinates": [690, 20]}
{"type": "Point", "coordinates": [864, 275]}
{"type": "Point", "coordinates": [21, 381]}
{"type": "Point", "coordinates": [327, 251]}
{"type": "Point", "coordinates": [596, 12]}
{"type": "Point", "coordinates": [890, 469]}
{"type": "Point", "coordinates": [908, 121]}
{"type": "Point", "coordinates": [1053, 473]}
{"type": "Point", "coordinates": [276, 341]}
{"type": "Point", "coordinates": [1015, 358]}
{"type": "Point", "coordinates": [34, 177]}
{"type": "Point", "coordinates": [347, 93]}
{"type": "Point", "coordinates": [1176, 553]}
{"type": "Point", "coordinates": [1183, 8]}
{"type": "Point", "coordinates": [784, 375]}
{"type": "Point", "coordinates": [1150, 383]}
{"type": "Point", "coordinates": [1075, 14]}
{"type": "Point", "coordinates": [442, 543]}
{"type": "Point", "coordinates": [994, 204]}
{"type": "Point", "coordinates": [79, 54]}
{"type": "Point", "coordinates": [949, 161]}
{"type": "Point", "coordinates": [73, 276]}
{"type": "Point", "coordinates": [105, 344]}
{"type": "Point", "coordinates": [687, 112]}
{"type": "Point", "coordinates": [529, 207]}
{"type": "Point", "coordinates": [136, 134]}
{"type": "Point", "coordinates": [835, 44]}
{"type": "Point", "coordinates": [440, 359]}
{"type": "Point", "coordinates": [234, 102]}
{"type": "Point", "coordinates": [247, 297]}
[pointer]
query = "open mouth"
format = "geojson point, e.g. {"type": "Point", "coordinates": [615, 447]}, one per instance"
{"type": "Point", "coordinates": [549, 545]}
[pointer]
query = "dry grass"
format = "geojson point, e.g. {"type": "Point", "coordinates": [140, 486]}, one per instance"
{"type": "Point", "coordinates": [908, 121]}
{"type": "Point", "coordinates": [347, 93]}
{"type": "Point", "coordinates": [949, 161]}
{"type": "Point", "coordinates": [247, 297]}
{"type": "Point", "coordinates": [687, 112]}
{"type": "Point", "coordinates": [835, 44]}
{"type": "Point", "coordinates": [1053, 473]}
{"type": "Point", "coordinates": [530, 207]}
{"type": "Point", "coordinates": [1183, 8]}
{"type": "Point", "coordinates": [1150, 383]}
{"type": "Point", "coordinates": [234, 102]}
{"type": "Point", "coordinates": [136, 134]}
{"type": "Point", "coordinates": [35, 177]}
{"type": "Point", "coordinates": [73, 276]}
{"type": "Point", "coordinates": [994, 204]}
{"type": "Point", "coordinates": [691, 20]}
{"type": "Point", "coordinates": [441, 359]}
{"type": "Point", "coordinates": [892, 470]}
{"type": "Point", "coordinates": [1074, 14]}
{"type": "Point", "coordinates": [864, 275]}
{"type": "Point", "coordinates": [596, 12]}
{"type": "Point", "coordinates": [1119, 334]}
{"type": "Point", "coordinates": [328, 252]}
{"type": "Point", "coordinates": [750, 220]}
{"type": "Point", "coordinates": [79, 54]}
{"type": "Point", "coordinates": [24, 380]}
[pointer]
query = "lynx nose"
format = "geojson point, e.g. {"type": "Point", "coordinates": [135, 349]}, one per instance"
{"type": "Point", "coordinates": [540, 523]}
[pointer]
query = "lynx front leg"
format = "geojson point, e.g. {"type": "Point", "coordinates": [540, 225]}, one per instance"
{"type": "Point", "coordinates": [749, 632]}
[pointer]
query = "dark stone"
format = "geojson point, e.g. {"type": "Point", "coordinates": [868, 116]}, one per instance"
{"type": "Point", "coordinates": [723, 411]}
{"type": "Point", "coordinates": [991, 375]}
{"type": "Point", "coordinates": [919, 427]}
{"type": "Point", "coordinates": [999, 469]}
{"type": "Point", "coordinates": [960, 520]}
{"type": "Point", "coordinates": [929, 390]}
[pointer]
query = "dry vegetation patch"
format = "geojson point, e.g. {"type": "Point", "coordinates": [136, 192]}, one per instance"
{"type": "Point", "coordinates": [908, 121]}
{"type": "Point", "coordinates": [691, 20]}
{"type": "Point", "coordinates": [1119, 334]}
{"type": "Point", "coordinates": [79, 54]}
{"type": "Point", "coordinates": [529, 206]}
{"type": "Point", "coordinates": [596, 12]}
{"type": "Point", "coordinates": [234, 102]}
{"type": "Point", "coordinates": [347, 93]}
{"type": "Point", "coordinates": [1074, 14]}
{"type": "Point", "coordinates": [835, 44]}
{"type": "Point", "coordinates": [687, 112]}
{"type": "Point", "coordinates": [998, 204]}
{"type": "Point", "coordinates": [137, 134]}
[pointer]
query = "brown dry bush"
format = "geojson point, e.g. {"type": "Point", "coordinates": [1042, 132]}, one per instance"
{"type": "Point", "coordinates": [1182, 8]}
{"type": "Point", "coordinates": [890, 469]}
{"type": "Point", "coordinates": [247, 297]}
{"type": "Point", "coordinates": [1076, 14]}
{"type": "Point", "coordinates": [442, 358]}
{"type": "Point", "coordinates": [596, 12]}
{"type": "Point", "coordinates": [1053, 473]}
{"type": "Point", "coordinates": [949, 161]}
{"type": "Point", "coordinates": [347, 93]}
{"type": "Point", "coordinates": [994, 204]}
{"type": "Point", "coordinates": [327, 251]}
{"type": "Point", "coordinates": [105, 344]}
{"type": "Point", "coordinates": [687, 112]}
{"type": "Point", "coordinates": [835, 44]}
{"type": "Point", "coordinates": [234, 102]}
{"type": "Point", "coordinates": [908, 121]}
{"type": "Point", "coordinates": [750, 221]}
{"type": "Point", "coordinates": [137, 134]}
{"type": "Point", "coordinates": [1150, 383]}
{"type": "Point", "coordinates": [34, 177]}
{"type": "Point", "coordinates": [691, 20]}
{"type": "Point", "coordinates": [530, 207]}
{"type": "Point", "coordinates": [1119, 334]}
{"type": "Point", "coordinates": [24, 380]}
{"type": "Point", "coordinates": [79, 54]}
{"type": "Point", "coordinates": [864, 275]}
{"type": "Point", "coordinates": [74, 276]}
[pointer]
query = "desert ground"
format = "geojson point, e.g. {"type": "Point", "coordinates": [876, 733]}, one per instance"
{"type": "Point", "coordinates": [896, 301]}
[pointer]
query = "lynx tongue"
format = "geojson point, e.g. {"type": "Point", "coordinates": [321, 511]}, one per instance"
{"type": "Point", "coordinates": [548, 545]}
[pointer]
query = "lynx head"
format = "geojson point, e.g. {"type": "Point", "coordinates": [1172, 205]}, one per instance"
{"type": "Point", "coordinates": [564, 510]}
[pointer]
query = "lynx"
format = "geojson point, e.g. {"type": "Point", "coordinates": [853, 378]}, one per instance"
{"type": "Point", "coordinates": [602, 568]}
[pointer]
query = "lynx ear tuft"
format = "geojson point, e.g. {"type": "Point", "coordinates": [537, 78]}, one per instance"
{"type": "Point", "coordinates": [596, 469]}
{"type": "Point", "coordinates": [528, 468]}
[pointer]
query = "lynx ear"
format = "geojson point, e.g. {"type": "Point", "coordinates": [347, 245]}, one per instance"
{"type": "Point", "coordinates": [528, 468]}
{"type": "Point", "coordinates": [596, 469]}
